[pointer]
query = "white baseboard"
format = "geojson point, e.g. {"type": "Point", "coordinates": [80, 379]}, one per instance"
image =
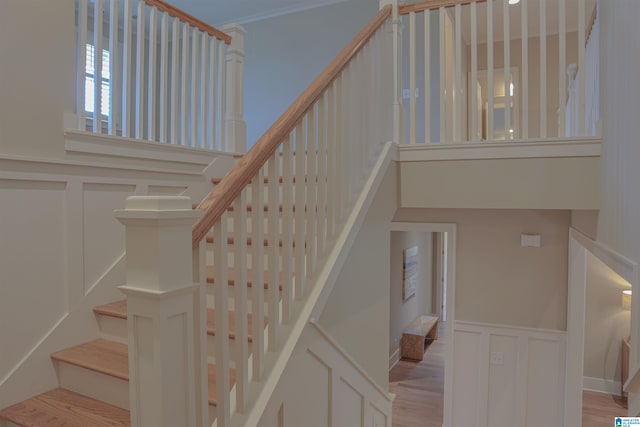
{"type": "Point", "coordinates": [394, 358]}
{"type": "Point", "coordinates": [601, 385]}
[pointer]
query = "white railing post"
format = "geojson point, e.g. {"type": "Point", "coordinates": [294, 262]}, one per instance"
{"type": "Point", "coordinates": [398, 108]}
{"type": "Point", "coordinates": [163, 318]}
{"type": "Point", "coordinates": [236, 128]}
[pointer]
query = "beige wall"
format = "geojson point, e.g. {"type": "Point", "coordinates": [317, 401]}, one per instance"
{"type": "Point", "coordinates": [402, 313]}
{"type": "Point", "coordinates": [37, 41]}
{"type": "Point", "coordinates": [356, 314]}
{"type": "Point", "coordinates": [533, 183]}
{"type": "Point", "coordinates": [585, 221]}
{"type": "Point", "coordinates": [497, 280]}
{"type": "Point", "coordinates": [606, 323]}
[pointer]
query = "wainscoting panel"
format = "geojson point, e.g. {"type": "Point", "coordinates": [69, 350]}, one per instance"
{"type": "Point", "coordinates": [323, 386]}
{"type": "Point", "coordinates": [505, 376]}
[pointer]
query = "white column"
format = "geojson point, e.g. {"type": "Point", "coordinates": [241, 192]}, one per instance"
{"type": "Point", "coordinates": [163, 307]}
{"type": "Point", "coordinates": [236, 128]}
{"type": "Point", "coordinates": [398, 108]}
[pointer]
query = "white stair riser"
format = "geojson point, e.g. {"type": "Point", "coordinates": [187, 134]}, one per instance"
{"type": "Point", "coordinates": [93, 384]}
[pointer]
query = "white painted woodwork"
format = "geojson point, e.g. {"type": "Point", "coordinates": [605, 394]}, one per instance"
{"type": "Point", "coordinates": [273, 266]}
{"type": "Point", "coordinates": [257, 260]}
{"type": "Point", "coordinates": [140, 72]}
{"type": "Point", "coordinates": [213, 105]}
{"type": "Point", "coordinates": [151, 75]}
{"type": "Point", "coordinates": [473, 91]}
{"type": "Point", "coordinates": [490, 74]}
{"type": "Point", "coordinates": [322, 174]}
{"type": "Point", "coordinates": [163, 120]}
{"type": "Point", "coordinates": [113, 65]}
{"type": "Point", "coordinates": [581, 67]}
{"type": "Point", "coordinates": [162, 312]}
{"type": "Point", "coordinates": [457, 82]}
{"type": "Point", "coordinates": [240, 302]}
{"type": "Point", "coordinates": [562, 65]}
{"type": "Point", "coordinates": [412, 78]}
{"type": "Point", "coordinates": [222, 88]}
{"type": "Point", "coordinates": [543, 68]}
{"type": "Point", "coordinates": [97, 65]}
{"type": "Point", "coordinates": [524, 387]}
{"type": "Point", "coordinates": [173, 116]}
{"type": "Point", "coordinates": [311, 202]}
{"type": "Point", "coordinates": [524, 36]}
{"type": "Point", "coordinates": [184, 127]}
{"type": "Point", "coordinates": [508, 129]}
{"type": "Point", "coordinates": [287, 230]}
{"type": "Point", "coordinates": [195, 88]}
{"type": "Point", "coordinates": [127, 65]}
{"type": "Point", "coordinates": [443, 71]}
{"type": "Point", "coordinates": [203, 75]}
{"type": "Point", "coordinates": [427, 76]}
{"type": "Point", "coordinates": [80, 66]}
{"type": "Point", "coordinates": [300, 201]}
{"type": "Point", "coordinates": [236, 128]}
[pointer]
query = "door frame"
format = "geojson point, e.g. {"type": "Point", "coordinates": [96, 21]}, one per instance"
{"type": "Point", "coordinates": [451, 231]}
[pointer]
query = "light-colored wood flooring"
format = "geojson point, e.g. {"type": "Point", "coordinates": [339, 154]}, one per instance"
{"type": "Point", "coordinates": [419, 390]}
{"type": "Point", "coordinates": [419, 387]}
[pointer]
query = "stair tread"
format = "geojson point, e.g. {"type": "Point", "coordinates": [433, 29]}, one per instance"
{"type": "Point", "coordinates": [111, 358]}
{"type": "Point", "coordinates": [59, 407]}
{"type": "Point", "coordinates": [118, 309]}
{"type": "Point", "coordinates": [231, 277]}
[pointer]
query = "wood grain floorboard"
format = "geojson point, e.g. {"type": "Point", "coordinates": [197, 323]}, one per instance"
{"type": "Point", "coordinates": [599, 410]}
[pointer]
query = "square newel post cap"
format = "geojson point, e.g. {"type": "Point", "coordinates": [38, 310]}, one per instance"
{"type": "Point", "coordinates": [158, 242]}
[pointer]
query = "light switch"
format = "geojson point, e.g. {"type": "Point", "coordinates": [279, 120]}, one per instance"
{"type": "Point", "coordinates": [497, 358]}
{"type": "Point", "coordinates": [532, 240]}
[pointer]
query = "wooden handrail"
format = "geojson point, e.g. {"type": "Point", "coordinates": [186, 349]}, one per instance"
{"type": "Point", "coordinates": [223, 195]}
{"type": "Point", "coordinates": [191, 20]}
{"type": "Point", "coordinates": [433, 5]}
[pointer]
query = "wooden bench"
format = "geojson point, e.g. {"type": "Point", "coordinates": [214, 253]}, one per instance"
{"type": "Point", "coordinates": [417, 335]}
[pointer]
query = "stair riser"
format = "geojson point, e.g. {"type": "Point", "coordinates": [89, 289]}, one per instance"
{"type": "Point", "coordinates": [93, 384]}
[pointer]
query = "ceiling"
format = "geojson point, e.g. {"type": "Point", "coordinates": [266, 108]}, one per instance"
{"type": "Point", "coordinates": [219, 12]}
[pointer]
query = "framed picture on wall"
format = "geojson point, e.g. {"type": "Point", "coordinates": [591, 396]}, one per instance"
{"type": "Point", "coordinates": [409, 272]}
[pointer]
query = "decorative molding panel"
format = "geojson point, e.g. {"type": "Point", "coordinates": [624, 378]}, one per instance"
{"type": "Point", "coordinates": [505, 375]}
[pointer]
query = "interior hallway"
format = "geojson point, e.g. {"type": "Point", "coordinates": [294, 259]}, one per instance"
{"type": "Point", "coordinates": [419, 390]}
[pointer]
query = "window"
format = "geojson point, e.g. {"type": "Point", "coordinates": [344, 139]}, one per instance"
{"type": "Point", "coordinates": [90, 82]}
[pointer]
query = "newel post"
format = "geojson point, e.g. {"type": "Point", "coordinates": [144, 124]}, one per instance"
{"type": "Point", "coordinates": [398, 108]}
{"type": "Point", "coordinates": [163, 310]}
{"type": "Point", "coordinates": [236, 128]}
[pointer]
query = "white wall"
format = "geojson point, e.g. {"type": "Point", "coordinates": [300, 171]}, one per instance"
{"type": "Point", "coordinates": [284, 54]}
{"type": "Point", "coordinates": [402, 313]}
{"type": "Point", "coordinates": [356, 314]}
{"type": "Point", "coordinates": [619, 219]}
{"type": "Point", "coordinates": [37, 74]}
{"type": "Point", "coordinates": [606, 325]}
{"type": "Point", "coordinates": [497, 280]}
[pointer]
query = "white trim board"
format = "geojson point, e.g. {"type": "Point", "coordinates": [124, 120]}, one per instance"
{"type": "Point", "coordinates": [394, 358]}
{"type": "Point", "coordinates": [544, 148]}
{"type": "Point", "coordinates": [451, 230]}
{"type": "Point", "coordinates": [601, 385]}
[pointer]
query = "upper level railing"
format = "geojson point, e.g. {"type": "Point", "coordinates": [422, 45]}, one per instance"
{"type": "Point", "coordinates": [147, 70]}
{"type": "Point", "coordinates": [462, 82]}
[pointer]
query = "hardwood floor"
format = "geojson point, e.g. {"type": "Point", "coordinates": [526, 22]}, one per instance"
{"type": "Point", "coordinates": [600, 409]}
{"type": "Point", "coordinates": [419, 387]}
{"type": "Point", "coordinates": [419, 390]}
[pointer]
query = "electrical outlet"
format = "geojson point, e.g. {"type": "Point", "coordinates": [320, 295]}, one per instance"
{"type": "Point", "coordinates": [497, 358]}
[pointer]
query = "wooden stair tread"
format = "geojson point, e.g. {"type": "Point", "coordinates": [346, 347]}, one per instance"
{"type": "Point", "coordinates": [59, 407]}
{"type": "Point", "coordinates": [111, 358]}
{"type": "Point", "coordinates": [231, 277]}
{"type": "Point", "coordinates": [118, 309]}
{"type": "Point", "coordinates": [104, 356]}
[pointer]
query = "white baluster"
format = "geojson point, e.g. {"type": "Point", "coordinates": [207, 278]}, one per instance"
{"type": "Point", "coordinates": [213, 86]}
{"type": "Point", "coordinates": [322, 173]}
{"type": "Point", "coordinates": [490, 90]}
{"type": "Point", "coordinates": [508, 127]}
{"type": "Point", "coordinates": [113, 65]}
{"type": "Point", "coordinates": [427, 76]}
{"type": "Point", "coordinates": [581, 68]}
{"type": "Point", "coordinates": [164, 78]}
{"type": "Point", "coordinates": [473, 87]}
{"type": "Point", "coordinates": [273, 267]}
{"type": "Point", "coordinates": [457, 91]}
{"type": "Point", "coordinates": [199, 259]}
{"type": "Point", "coordinates": [257, 278]}
{"type": "Point", "coordinates": [151, 75]}
{"type": "Point", "coordinates": [299, 213]}
{"type": "Point", "coordinates": [126, 69]}
{"type": "Point", "coordinates": [331, 160]}
{"type": "Point", "coordinates": [287, 224]}
{"type": "Point", "coordinates": [236, 128]}
{"type": "Point", "coordinates": [524, 85]}
{"type": "Point", "coordinates": [81, 66]}
{"type": "Point", "coordinates": [202, 94]}
{"type": "Point", "coordinates": [175, 36]}
{"type": "Point", "coordinates": [562, 67]}
{"type": "Point", "coordinates": [240, 301]}
{"type": "Point", "coordinates": [195, 89]}
{"type": "Point", "coordinates": [221, 320]}
{"type": "Point", "coordinates": [97, 66]}
{"type": "Point", "coordinates": [184, 124]}
{"type": "Point", "coordinates": [140, 72]}
{"type": "Point", "coordinates": [311, 191]}
{"type": "Point", "coordinates": [543, 69]}
{"type": "Point", "coordinates": [443, 70]}
{"type": "Point", "coordinates": [412, 78]}
{"type": "Point", "coordinates": [222, 133]}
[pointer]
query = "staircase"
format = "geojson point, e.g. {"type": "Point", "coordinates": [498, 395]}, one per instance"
{"type": "Point", "coordinates": [280, 223]}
